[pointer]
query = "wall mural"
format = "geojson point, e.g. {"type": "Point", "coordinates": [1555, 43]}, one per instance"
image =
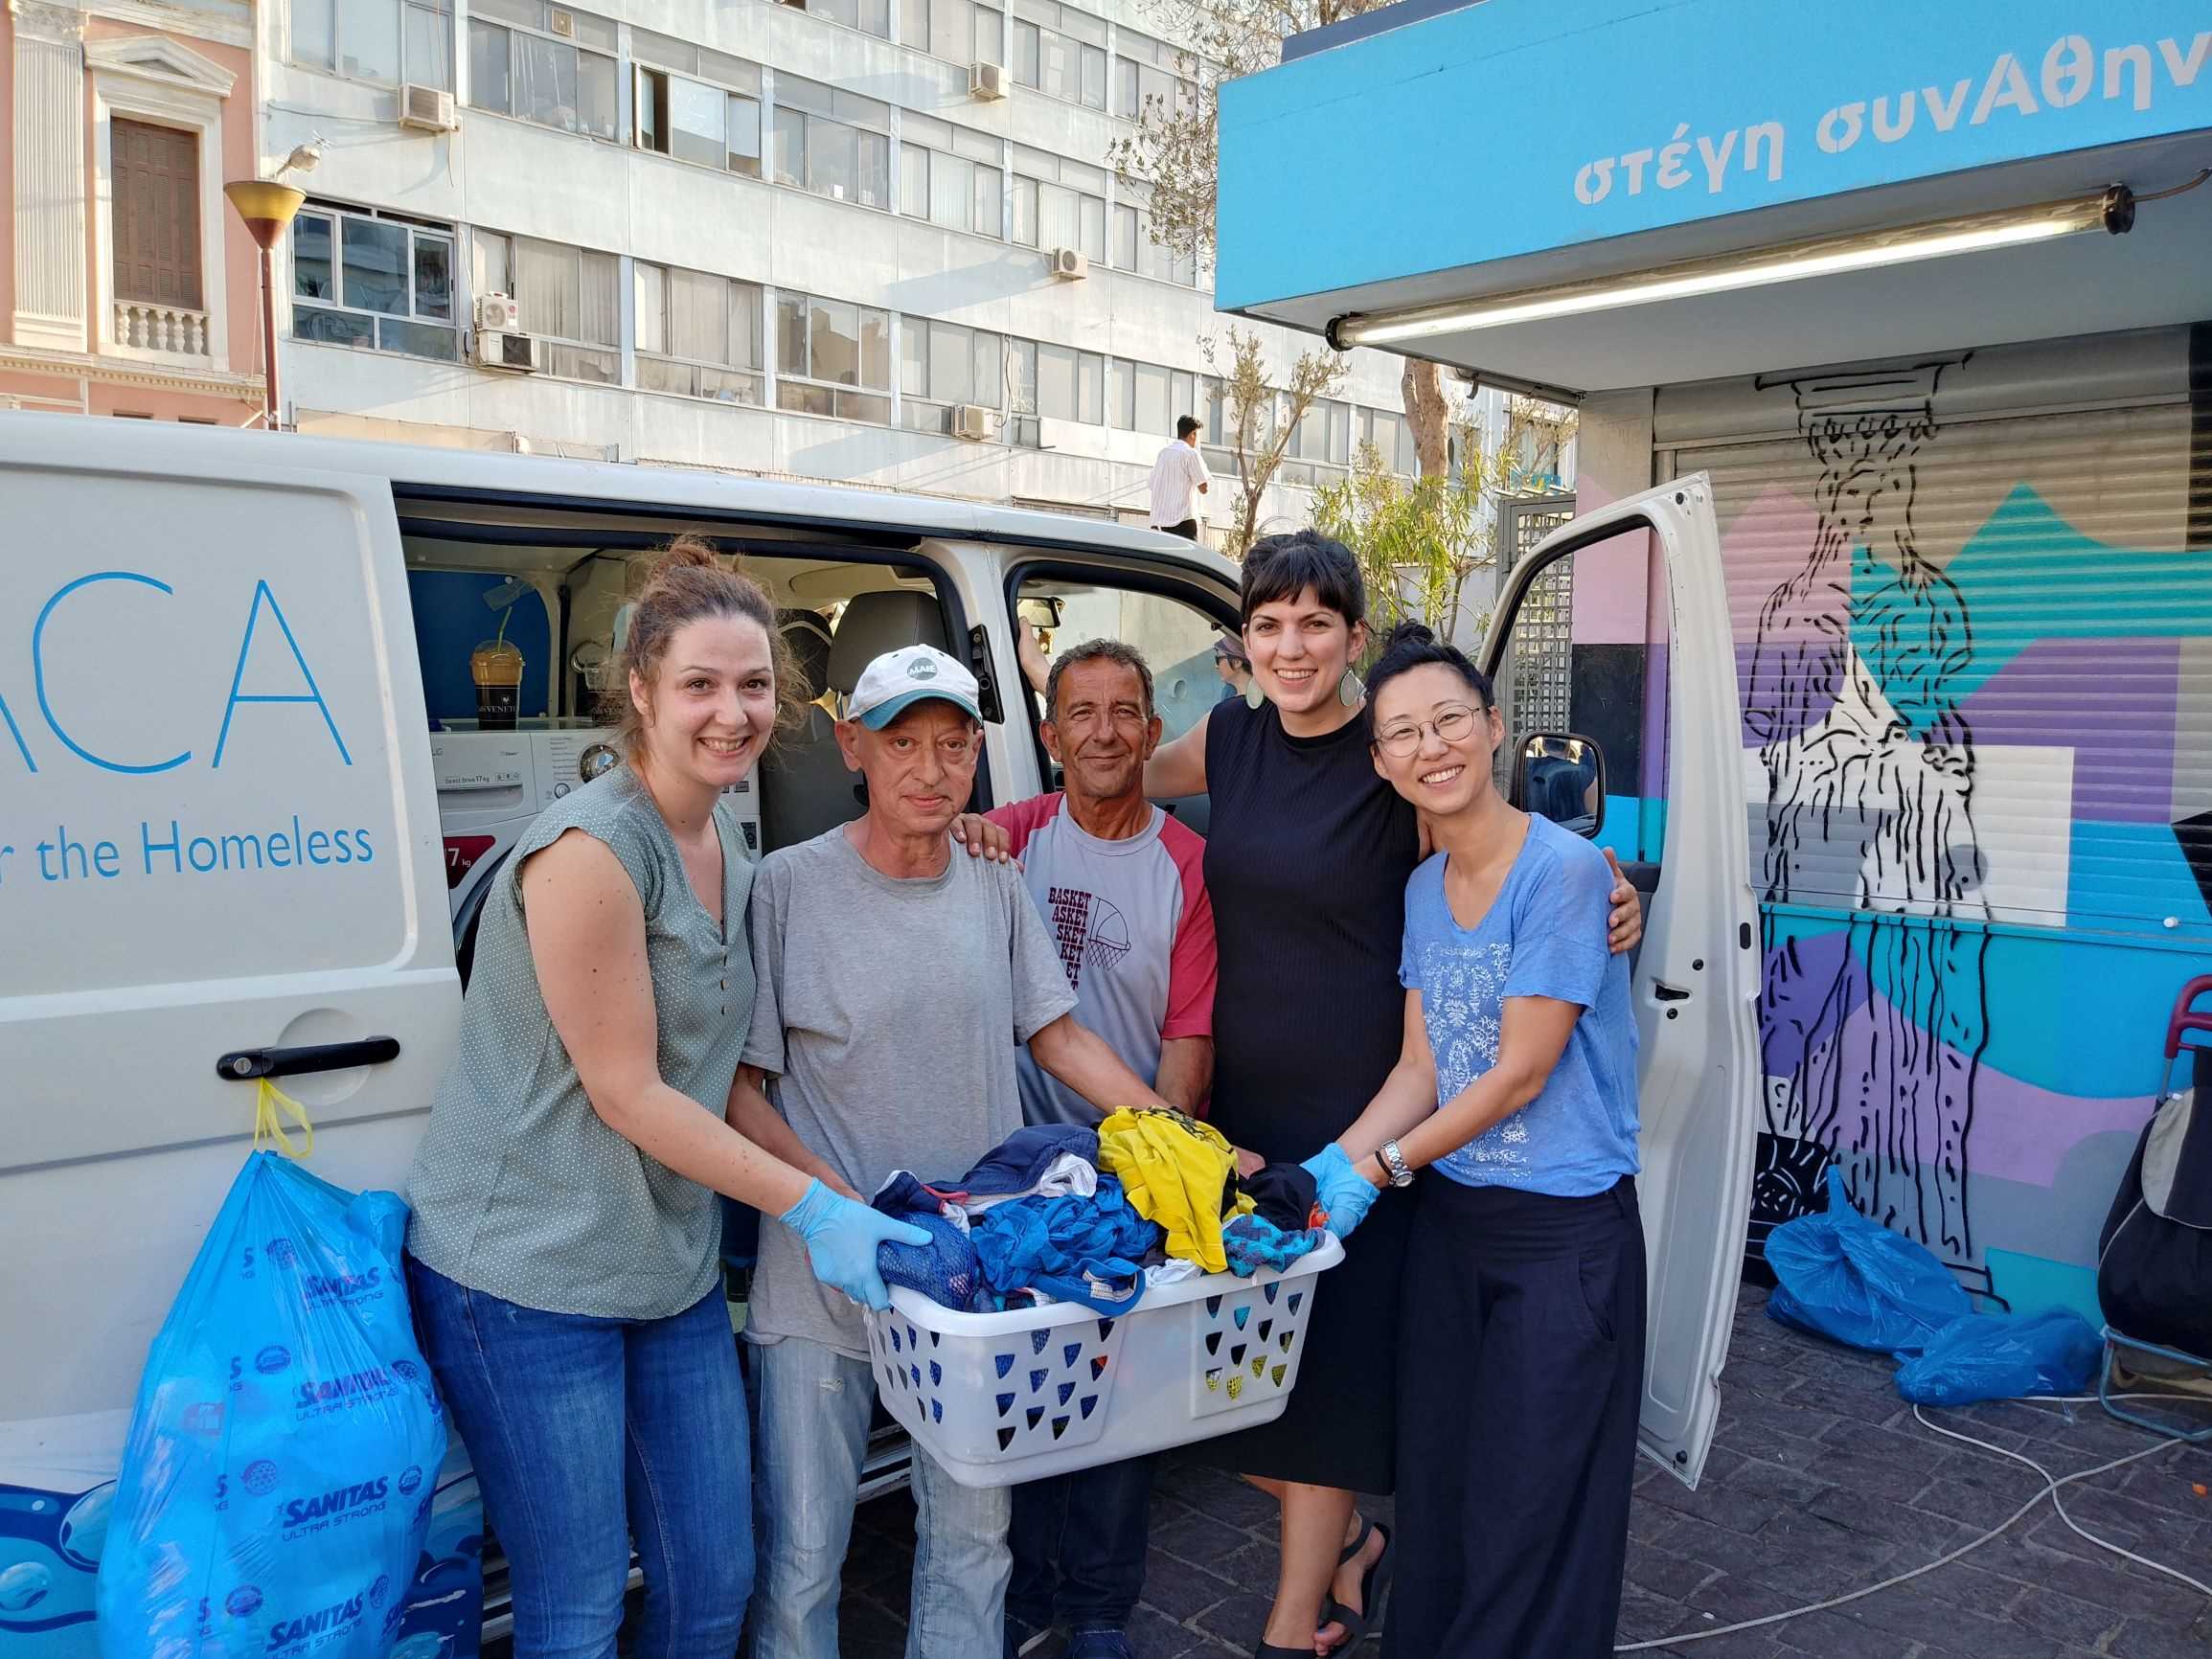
{"type": "Point", "coordinates": [1888, 764]}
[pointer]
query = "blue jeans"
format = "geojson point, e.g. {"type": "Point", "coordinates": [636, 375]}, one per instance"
{"type": "Point", "coordinates": [813, 1405]}
{"type": "Point", "coordinates": [587, 1433]}
{"type": "Point", "coordinates": [1079, 1546]}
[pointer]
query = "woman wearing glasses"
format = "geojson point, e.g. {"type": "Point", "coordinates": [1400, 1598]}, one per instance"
{"type": "Point", "coordinates": [1521, 1322]}
{"type": "Point", "coordinates": [1307, 856]}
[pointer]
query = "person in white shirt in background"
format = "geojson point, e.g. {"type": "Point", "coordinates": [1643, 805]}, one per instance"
{"type": "Point", "coordinates": [1179, 477]}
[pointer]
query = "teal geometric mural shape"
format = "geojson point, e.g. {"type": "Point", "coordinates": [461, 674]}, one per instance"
{"type": "Point", "coordinates": [2025, 575]}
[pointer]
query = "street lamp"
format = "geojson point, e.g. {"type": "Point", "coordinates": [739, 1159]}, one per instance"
{"type": "Point", "coordinates": [267, 208]}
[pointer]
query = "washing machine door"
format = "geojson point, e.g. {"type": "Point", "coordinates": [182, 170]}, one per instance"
{"type": "Point", "coordinates": [469, 915]}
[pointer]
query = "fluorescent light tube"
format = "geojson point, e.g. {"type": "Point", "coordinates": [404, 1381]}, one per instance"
{"type": "Point", "coordinates": [2111, 210]}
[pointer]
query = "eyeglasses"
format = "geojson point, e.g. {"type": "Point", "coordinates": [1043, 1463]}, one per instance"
{"type": "Point", "coordinates": [1451, 726]}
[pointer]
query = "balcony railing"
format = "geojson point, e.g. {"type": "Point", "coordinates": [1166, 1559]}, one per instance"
{"type": "Point", "coordinates": [142, 326]}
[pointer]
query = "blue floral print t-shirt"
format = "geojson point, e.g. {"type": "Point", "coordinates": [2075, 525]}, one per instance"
{"type": "Point", "coordinates": [1545, 936]}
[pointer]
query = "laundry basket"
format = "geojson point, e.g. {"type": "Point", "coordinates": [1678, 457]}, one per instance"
{"type": "Point", "coordinates": [997, 1398]}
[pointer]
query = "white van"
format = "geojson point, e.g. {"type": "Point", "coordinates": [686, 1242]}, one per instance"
{"type": "Point", "coordinates": [223, 851]}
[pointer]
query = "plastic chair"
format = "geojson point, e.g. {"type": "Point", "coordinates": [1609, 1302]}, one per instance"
{"type": "Point", "coordinates": [2114, 1344]}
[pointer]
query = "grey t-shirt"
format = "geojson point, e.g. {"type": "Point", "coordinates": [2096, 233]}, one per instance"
{"type": "Point", "coordinates": [519, 1188]}
{"type": "Point", "coordinates": [888, 1010]}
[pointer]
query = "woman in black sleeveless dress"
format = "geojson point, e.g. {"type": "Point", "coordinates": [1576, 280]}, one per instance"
{"type": "Point", "coordinates": [1307, 858]}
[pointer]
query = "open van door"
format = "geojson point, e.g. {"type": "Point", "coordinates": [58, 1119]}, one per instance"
{"type": "Point", "coordinates": [1616, 675]}
{"type": "Point", "coordinates": [219, 857]}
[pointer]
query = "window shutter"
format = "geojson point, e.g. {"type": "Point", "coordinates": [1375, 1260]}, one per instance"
{"type": "Point", "coordinates": [156, 184]}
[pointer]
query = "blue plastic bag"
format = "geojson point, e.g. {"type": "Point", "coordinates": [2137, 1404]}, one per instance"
{"type": "Point", "coordinates": [276, 1485]}
{"type": "Point", "coordinates": [2002, 1356]}
{"type": "Point", "coordinates": [1853, 1281]}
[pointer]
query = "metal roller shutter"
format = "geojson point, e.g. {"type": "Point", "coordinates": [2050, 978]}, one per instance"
{"type": "Point", "coordinates": [2017, 602]}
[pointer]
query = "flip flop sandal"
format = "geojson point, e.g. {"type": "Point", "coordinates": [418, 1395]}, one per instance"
{"type": "Point", "coordinates": [1374, 1584]}
{"type": "Point", "coordinates": [1269, 1651]}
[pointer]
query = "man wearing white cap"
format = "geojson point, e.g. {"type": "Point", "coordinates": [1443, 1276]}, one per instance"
{"type": "Point", "coordinates": [891, 975]}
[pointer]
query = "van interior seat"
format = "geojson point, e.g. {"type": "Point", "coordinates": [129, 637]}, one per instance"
{"type": "Point", "coordinates": [805, 786]}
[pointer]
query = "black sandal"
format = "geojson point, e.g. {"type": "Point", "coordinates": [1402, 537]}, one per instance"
{"type": "Point", "coordinates": [1374, 1583]}
{"type": "Point", "coordinates": [1267, 1650]}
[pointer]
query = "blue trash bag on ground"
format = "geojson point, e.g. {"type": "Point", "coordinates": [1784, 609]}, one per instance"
{"type": "Point", "coordinates": [276, 1485]}
{"type": "Point", "coordinates": [2003, 1356]}
{"type": "Point", "coordinates": [1853, 1281]}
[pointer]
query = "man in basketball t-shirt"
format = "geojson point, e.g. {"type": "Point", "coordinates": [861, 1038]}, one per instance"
{"type": "Point", "coordinates": [1122, 889]}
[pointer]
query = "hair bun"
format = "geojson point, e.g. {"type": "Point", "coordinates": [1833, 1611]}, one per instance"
{"type": "Point", "coordinates": [1410, 633]}
{"type": "Point", "coordinates": [685, 552]}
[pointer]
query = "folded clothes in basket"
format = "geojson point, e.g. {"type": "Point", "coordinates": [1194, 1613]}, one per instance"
{"type": "Point", "coordinates": [1076, 1247]}
{"type": "Point", "coordinates": [1252, 1242]}
{"type": "Point", "coordinates": [1179, 1173]}
{"type": "Point", "coordinates": [1045, 1160]}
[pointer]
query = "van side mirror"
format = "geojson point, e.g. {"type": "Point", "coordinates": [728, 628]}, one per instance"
{"type": "Point", "coordinates": [1562, 776]}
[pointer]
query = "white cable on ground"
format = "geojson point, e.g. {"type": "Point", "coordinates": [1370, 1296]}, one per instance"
{"type": "Point", "coordinates": [2051, 1485]}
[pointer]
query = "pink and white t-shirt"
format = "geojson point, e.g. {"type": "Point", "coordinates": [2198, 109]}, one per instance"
{"type": "Point", "coordinates": [1134, 931]}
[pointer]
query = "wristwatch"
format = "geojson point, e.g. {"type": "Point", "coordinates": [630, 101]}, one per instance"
{"type": "Point", "coordinates": [1394, 1162]}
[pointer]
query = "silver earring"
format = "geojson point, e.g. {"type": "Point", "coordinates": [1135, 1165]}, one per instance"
{"type": "Point", "coordinates": [1253, 696]}
{"type": "Point", "coordinates": [1349, 689]}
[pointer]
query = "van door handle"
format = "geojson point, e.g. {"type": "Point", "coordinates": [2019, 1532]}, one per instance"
{"type": "Point", "coordinates": [308, 1057]}
{"type": "Point", "coordinates": [1666, 992]}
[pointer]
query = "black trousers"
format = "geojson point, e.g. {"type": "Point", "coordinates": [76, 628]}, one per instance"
{"type": "Point", "coordinates": [1188, 530]}
{"type": "Point", "coordinates": [1519, 1372]}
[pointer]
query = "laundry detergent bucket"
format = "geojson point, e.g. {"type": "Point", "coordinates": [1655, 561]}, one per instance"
{"type": "Point", "coordinates": [998, 1399]}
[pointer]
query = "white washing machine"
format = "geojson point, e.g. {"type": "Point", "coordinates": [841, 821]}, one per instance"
{"type": "Point", "coordinates": [492, 784]}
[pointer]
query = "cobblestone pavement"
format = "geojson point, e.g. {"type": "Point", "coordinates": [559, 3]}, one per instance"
{"type": "Point", "coordinates": [1820, 1481]}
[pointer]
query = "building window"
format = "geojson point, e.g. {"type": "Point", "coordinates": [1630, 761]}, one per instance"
{"type": "Point", "coordinates": [1146, 72]}
{"type": "Point", "coordinates": [698, 334]}
{"type": "Point", "coordinates": [543, 63]}
{"type": "Point", "coordinates": [1134, 249]}
{"type": "Point", "coordinates": [1058, 383]}
{"type": "Point", "coordinates": [943, 364]}
{"type": "Point", "coordinates": [832, 359]}
{"type": "Point", "coordinates": [834, 143]}
{"type": "Point", "coordinates": [567, 296]}
{"type": "Point", "coordinates": [950, 176]}
{"type": "Point", "coordinates": [1390, 438]}
{"type": "Point", "coordinates": [1320, 445]}
{"type": "Point", "coordinates": [696, 104]}
{"type": "Point", "coordinates": [157, 241]}
{"type": "Point", "coordinates": [957, 31]}
{"type": "Point", "coordinates": [869, 16]}
{"type": "Point", "coordinates": [1060, 52]}
{"type": "Point", "coordinates": [381, 284]}
{"type": "Point", "coordinates": [1058, 203]}
{"type": "Point", "coordinates": [388, 41]}
{"type": "Point", "coordinates": [1151, 399]}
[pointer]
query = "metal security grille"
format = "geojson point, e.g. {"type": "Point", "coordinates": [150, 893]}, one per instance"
{"type": "Point", "coordinates": [1536, 674]}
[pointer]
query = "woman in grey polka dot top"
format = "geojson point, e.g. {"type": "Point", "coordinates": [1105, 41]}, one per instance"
{"type": "Point", "coordinates": [563, 1254]}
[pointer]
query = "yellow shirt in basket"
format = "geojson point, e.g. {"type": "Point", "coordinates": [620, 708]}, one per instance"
{"type": "Point", "coordinates": [1179, 1174]}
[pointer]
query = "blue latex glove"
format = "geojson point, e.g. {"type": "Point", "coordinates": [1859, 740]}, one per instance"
{"type": "Point", "coordinates": [1341, 1191]}
{"type": "Point", "coordinates": [841, 1239]}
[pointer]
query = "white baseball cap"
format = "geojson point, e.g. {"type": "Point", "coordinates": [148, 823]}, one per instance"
{"type": "Point", "coordinates": [897, 680]}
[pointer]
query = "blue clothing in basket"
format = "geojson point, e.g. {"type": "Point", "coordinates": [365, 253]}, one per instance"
{"type": "Point", "coordinates": [945, 1269]}
{"type": "Point", "coordinates": [1073, 1248]}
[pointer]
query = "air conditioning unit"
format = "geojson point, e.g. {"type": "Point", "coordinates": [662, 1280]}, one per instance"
{"type": "Point", "coordinates": [498, 313]}
{"type": "Point", "coordinates": [987, 81]}
{"type": "Point", "coordinates": [1071, 264]}
{"type": "Point", "coordinates": [975, 422]}
{"type": "Point", "coordinates": [426, 108]}
{"type": "Point", "coordinates": [497, 348]}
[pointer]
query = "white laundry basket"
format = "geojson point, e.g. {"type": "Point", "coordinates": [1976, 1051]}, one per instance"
{"type": "Point", "coordinates": [998, 1399]}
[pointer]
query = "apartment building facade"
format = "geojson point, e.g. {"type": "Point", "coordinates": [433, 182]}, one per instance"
{"type": "Point", "coordinates": [129, 287]}
{"type": "Point", "coordinates": [873, 241]}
